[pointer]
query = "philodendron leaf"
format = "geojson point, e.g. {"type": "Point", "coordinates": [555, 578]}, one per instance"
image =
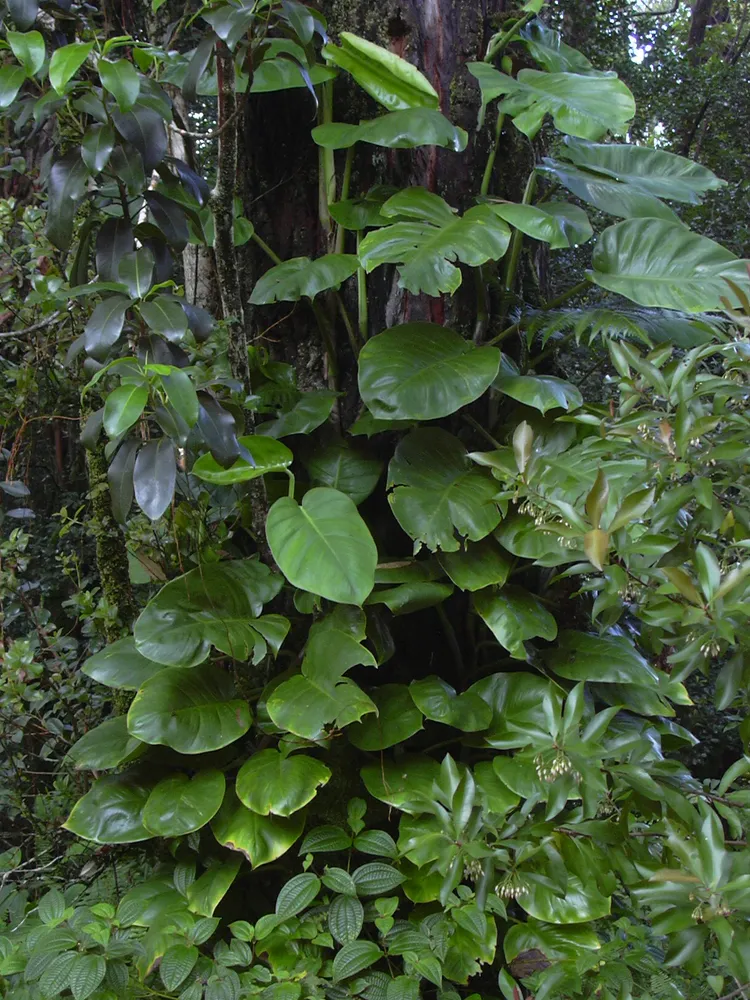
{"type": "Point", "coordinates": [580, 903]}
{"type": "Point", "coordinates": [270, 783]}
{"type": "Point", "coordinates": [653, 171]}
{"type": "Point", "coordinates": [323, 545]}
{"type": "Point", "coordinates": [269, 456]}
{"type": "Point", "coordinates": [110, 813]}
{"type": "Point", "coordinates": [397, 719]}
{"type": "Point", "coordinates": [422, 371]}
{"type": "Point", "coordinates": [543, 392]}
{"type": "Point", "coordinates": [205, 894]}
{"type": "Point", "coordinates": [345, 468]}
{"type": "Point", "coordinates": [579, 104]}
{"type": "Point", "coordinates": [218, 605]}
{"type": "Point", "coordinates": [514, 615]}
{"type": "Point", "coordinates": [407, 784]}
{"type": "Point", "coordinates": [550, 51]}
{"type": "Point", "coordinates": [308, 413]}
{"type": "Point", "coordinates": [517, 701]}
{"type": "Point", "coordinates": [478, 566]}
{"type": "Point", "coordinates": [261, 839]}
{"type": "Point", "coordinates": [658, 263]}
{"type": "Point", "coordinates": [120, 665]}
{"type": "Point", "coordinates": [434, 237]}
{"type": "Point", "coordinates": [300, 276]}
{"type": "Point", "coordinates": [181, 804]}
{"type": "Point", "coordinates": [398, 130]}
{"type": "Point", "coordinates": [439, 702]}
{"type": "Point", "coordinates": [557, 223]}
{"type": "Point", "coordinates": [603, 659]}
{"type": "Point", "coordinates": [106, 746]}
{"type": "Point", "coordinates": [392, 81]}
{"type": "Point", "coordinates": [190, 710]}
{"type": "Point", "coordinates": [439, 492]}
{"type": "Point", "coordinates": [320, 694]}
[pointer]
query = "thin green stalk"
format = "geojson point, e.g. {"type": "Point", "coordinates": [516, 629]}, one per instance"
{"type": "Point", "coordinates": [500, 42]}
{"type": "Point", "coordinates": [345, 184]}
{"type": "Point", "coordinates": [481, 430]}
{"type": "Point", "coordinates": [564, 296]}
{"type": "Point", "coordinates": [485, 187]}
{"type": "Point", "coordinates": [362, 317]}
{"type": "Point", "coordinates": [328, 343]}
{"type": "Point", "coordinates": [292, 483]}
{"type": "Point", "coordinates": [266, 249]}
{"type": "Point", "coordinates": [451, 638]}
{"type": "Point", "coordinates": [326, 162]}
{"type": "Point", "coordinates": [516, 244]}
{"type": "Point", "coordinates": [348, 324]}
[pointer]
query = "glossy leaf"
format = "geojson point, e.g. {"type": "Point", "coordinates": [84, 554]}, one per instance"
{"type": "Point", "coordinates": [182, 396]}
{"type": "Point", "coordinates": [23, 12]}
{"type": "Point", "coordinates": [514, 615]}
{"type": "Point", "coordinates": [261, 839]}
{"type": "Point", "coordinates": [422, 371]}
{"type": "Point", "coordinates": [190, 710]}
{"type": "Point", "coordinates": [309, 413]}
{"type": "Point", "coordinates": [439, 702]}
{"type": "Point", "coordinates": [144, 129]}
{"type": "Point", "coordinates": [120, 665]}
{"type": "Point", "coordinates": [269, 456]}
{"type": "Point", "coordinates": [166, 316]}
{"type": "Point", "coordinates": [609, 659]}
{"type": "Point", "coordinates": [427, 246]}
{"type": "Point", "coordinates": [136, 271]}
{"type": "Point", "coordinates": [28, 48]}
{"type": "Point", "coordinates": [121, 79]}
{"type": "Point", "coordinates": [110, 813]}
{"type": "Point", "coordinates": [657, 263]}
{"type": "Point", "coordinates": [66, 61]}
{"type": "Point", "coordinates": [477, 566]}
{"type": "Point", "coordinates": [323, 545]}
{"type": "Point", "coordinates": [300, 276]}
{"type": "Point", "coordinates": [270, 783]}
{"type": "Point", "coordinates": [406, 785]}
{"type": "Point", "coordinates": [12, 79]}
{"type": "Point", "coordinates": [543, 392]}
{"type": "Point", "coordinates": [68, 178]}
{"type": "Point", "coordinates": [392, 81]}
{"type": "Point", "coordinates": [557, 223]}
{"type": "Point", "coordinates": [105, 325]}
{"type": "Point", "coordinates": [439, 492]}
{"type": "Point", "coordinates": [580, 903]}
{"type": "Point", "coordinates": [120, 479]}
{"type": "Point", "coordinates": [181, 804]}
{"type": "Point", "coordinates": [205, 894]}
{"type": "Point", "coordinates": [548, 49]}
{"type": "Point", "coordinates": [113, 241]}
{"type": "Point", "coordinates": [154, 477]}
{"type": "Point", "coordinates": [123, 406]}
{"type": "Point", "coordinates": [97, 146]}
{"type": "Point", "coordinates": [397, 130]}
{"type": "Point", "coordinates": [517, 701]}
{"type": "Point", "coordinates": [105, 746]}
{"type": "Point", "coordinates": [344, 468]}
{"type": "Point", "coordinates": [397, 719]}
{"type": "Point", "coordinates": [218, 429]}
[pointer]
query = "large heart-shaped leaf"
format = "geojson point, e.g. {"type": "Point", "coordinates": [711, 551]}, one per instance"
{"type": "Point", "coordinates": [398, 130]}
{"type": "Point", "coordinates": [543, 392]}
{"type": "Point", "coordinates": [344, 468]}
{"type": "Point", "coordinates": [518, 703]}
{"type": "Point", "coordinates": [654, 171]}
{"type": "Point", "coordinates": [657, 263]}
{"type": "Point", "coordinates": [397, 719]}
{"type": "Point", "coordinates": [439, 702]}
{"type": "Point", "coordinates": [269, 456]}
{"type": "Point", "coordinates": [120, 665]}
{"type": "Point", "coordinates": [439, 492]}
{"type": "Point", "coordinates": [215, 605]}
{"type": "Point", "coordinates": [422, 371]}
{"type": "Point", "coordinates": [514, 615]}
{"type": "Point", "coordinates": [579, 105]}
{"type": "Point", "coordinates": [261, 839]}
{"type": "Point", "coordinates": [323, 545]}
{"type": "Point", "coordinates": [290, 280]}
{"type": "Point", "coordinates": [392, 81]}
{"type": "Point", "coordinates": [321, 694]}
{"type": "Point", "coordinates": [191, 711]}
{"type": "Point", "coordinates": [427, 247]}
{"type": "Point", "coordinates": [205, 894]}
{"type": "Point", "coordinates": [578, 905]}
{"type": "Point", "coordinates": [478, 566]}
{"type": "Point", "coordinates": [272, 783]}
{"type": "Point", "coordinates": [407, 784]}
{"type": "Point", "coordinates": [181, 804]}
{"type": "Point", "coordinates": [557, 223]}
{"type": "Point", "coordinates": [110, 813]}
{"type": "Point", "coordinates": [603, 659]}
{"type": "Point", "coordinates": [550, 51]}
{"type": "Point", "coordinates": [106, 746]}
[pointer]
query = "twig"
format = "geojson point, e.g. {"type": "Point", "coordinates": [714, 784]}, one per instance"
{"type": "Point", "coordinates": [33, 329]}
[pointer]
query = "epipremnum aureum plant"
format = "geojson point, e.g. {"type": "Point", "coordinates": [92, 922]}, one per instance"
{"type": "Point", "coordinates": [517, 820]}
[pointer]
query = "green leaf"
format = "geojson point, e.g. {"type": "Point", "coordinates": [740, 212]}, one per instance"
{"type": "Point", "coordinates": [609, 659]}
{"type": "Point", "coordinates": [197, 66]}
{"type": "Point", "coordinates": [190, 710]}
{"type": "Point", "coordinates": [113, 241]}
{"type": "Point", "coordinates": [653, 171]}
{"type": "Point", "coordinates": [105, 746]}
{"type": "Point", "coordinates": [345, 468]}
{"type": "Point", "coordinates": [422, 371]}
{"type": "Point", "coordinates": [28, 48]}
{"type": "Point", "coordinates": [517, 700]}
{"type": "Point", "coordinates": [177, 963]}
{"type": "Point", "coordinates": [477, 566]}
{"type": "Point", "coordinates": [522, 537]}
{"type": "Point", "coordinates": [23, 12]}
{"type": "Point", "coordinates": [66, 187]}
{"type": "Point", "coordinates": [66, 61]}
{"type": "Point", "coordinates": [144, 129]}
{"type": "Point", "coordinates": [270, 783]}
{"type": "Point", "coordinates": [323, 545]}
{"type": "Point", "coordinates": [296, 895]}
{"type": "Point", "coordinates": [166, 316]}
{"type": "Point", "coordinates": [345, 918]}
{"type": "Point", "coordinates": [290, 280]}
{"type": "Point", "coordinates": [97, 146]}
{"type": "Point", "coordinates": [110, 813]}
{"type": "Point", "coordinates": [376, 878]}
{"type": "Point", "coordinates": [123, 406]}
{"type": "Point", "coordinates": [398, 130]}
{"type": "Point", "coordinates": [550, 51]}
{"type": "Point", "coordinates": [308, 414]}
{"type": "Point", "coordinates": [392, 81]}
{"type": "Point", "coordinates": [406, 785]}
{"type": "Point", "coordinates": [136, 271]}
{"type": "Point", "coordinates": [580, 903]}
{"type": "Point", "coordinates": [439, 492]}
{"type": "Point", "coordinates": [364, 212]}
{"type": "Point", "coordinates": [182, 396]}
{"type": "Point", "coordinates": [218, 429]}
{"type": "Point", "coordinates": [269, 456]}
{"type": "Point", "coordinates": [120, 665]}
{"type": "Point", "coordinates": [104, 327]}
{"type": "Point", "coordinates": [216, 604]}
{"type": "Point", "coordinates": [427, 246]}
{"type": "Point", "coordinates": [56, 976]}
{"type": "Point", "coordinates": [181, 804]}
{"type": "Point", "coordinates": [657, 263]}
{"type": "Point", "coordinates": [606, 194]}
{"type": "Point", "coordinates": [439, 702]}
{"type": "Point", "coordinates": [514, 615]}
{"type": "Point", "coordinates": [120, 479]}
{"type": "Point", "coordinates": [353, 958]}
{"type": "Point", "coordinates": [325, 838]}
{"type": "Point", "coordinates": [51, 908]}
{"type": "Point", "coordinates": [321, 694]}
{"type": "Point", "coordinates": [86, 975]}
{"type": "Point", "coordinates": [376, 842]}
{"type": "Point", "coordinates": [121, 79]}
{"type": "Point", "coordinates": [543, 392]}
{"type": "Point", "coordinates": [708, 569]}
{"type": "Point", "coordinates": [12, 79]}
{"type": "Point", "coordinates": [205, 894]}
{"type": "Point", "coordinates": [154, 477]}
{"type": "Point", "coordinates": [261, 839]}
{"type": "Point", "coordinates": [407, 598]}
{"type": "Point", "coordinates": [557, 223]}
{"type": "Point", "coordinates": [397, 719]}
{"type": "Point", "coordinates": [579, 105]}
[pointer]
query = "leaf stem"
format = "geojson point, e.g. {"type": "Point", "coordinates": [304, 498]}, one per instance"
{"type": "Point", "coordinates": [345, 184]}
{"type": "Point", "coordinates": [501, 41]}
{"type": "Point", "coordinates": [266, 249]}
{"type": "Point", "coordinates": [292, 483]}
{"type": "Point", "coordinates": [326, 162]}
{"type": "Point", "coordinates": [450, 635]}
{"type": "Point", "coordinates": [362, 317]}
{"type": "Point", "coordinates": [487, 177]}
{"type": "Point", "coordinates": [348, 324]}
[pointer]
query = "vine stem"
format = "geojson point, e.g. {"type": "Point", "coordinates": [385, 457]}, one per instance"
{"type": "Point", "coordinates": [345, 185]}
{"type": "Point", "coordinates": [500, 42]}
{"type": "Point", "coordinates": [517, 242]}
{"type": "Point", "coordinates": [487, 177]}
{"type": "Point", "coordinates": [362, 317]}
{"type": "Point", "coordinates": [326, 162]}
